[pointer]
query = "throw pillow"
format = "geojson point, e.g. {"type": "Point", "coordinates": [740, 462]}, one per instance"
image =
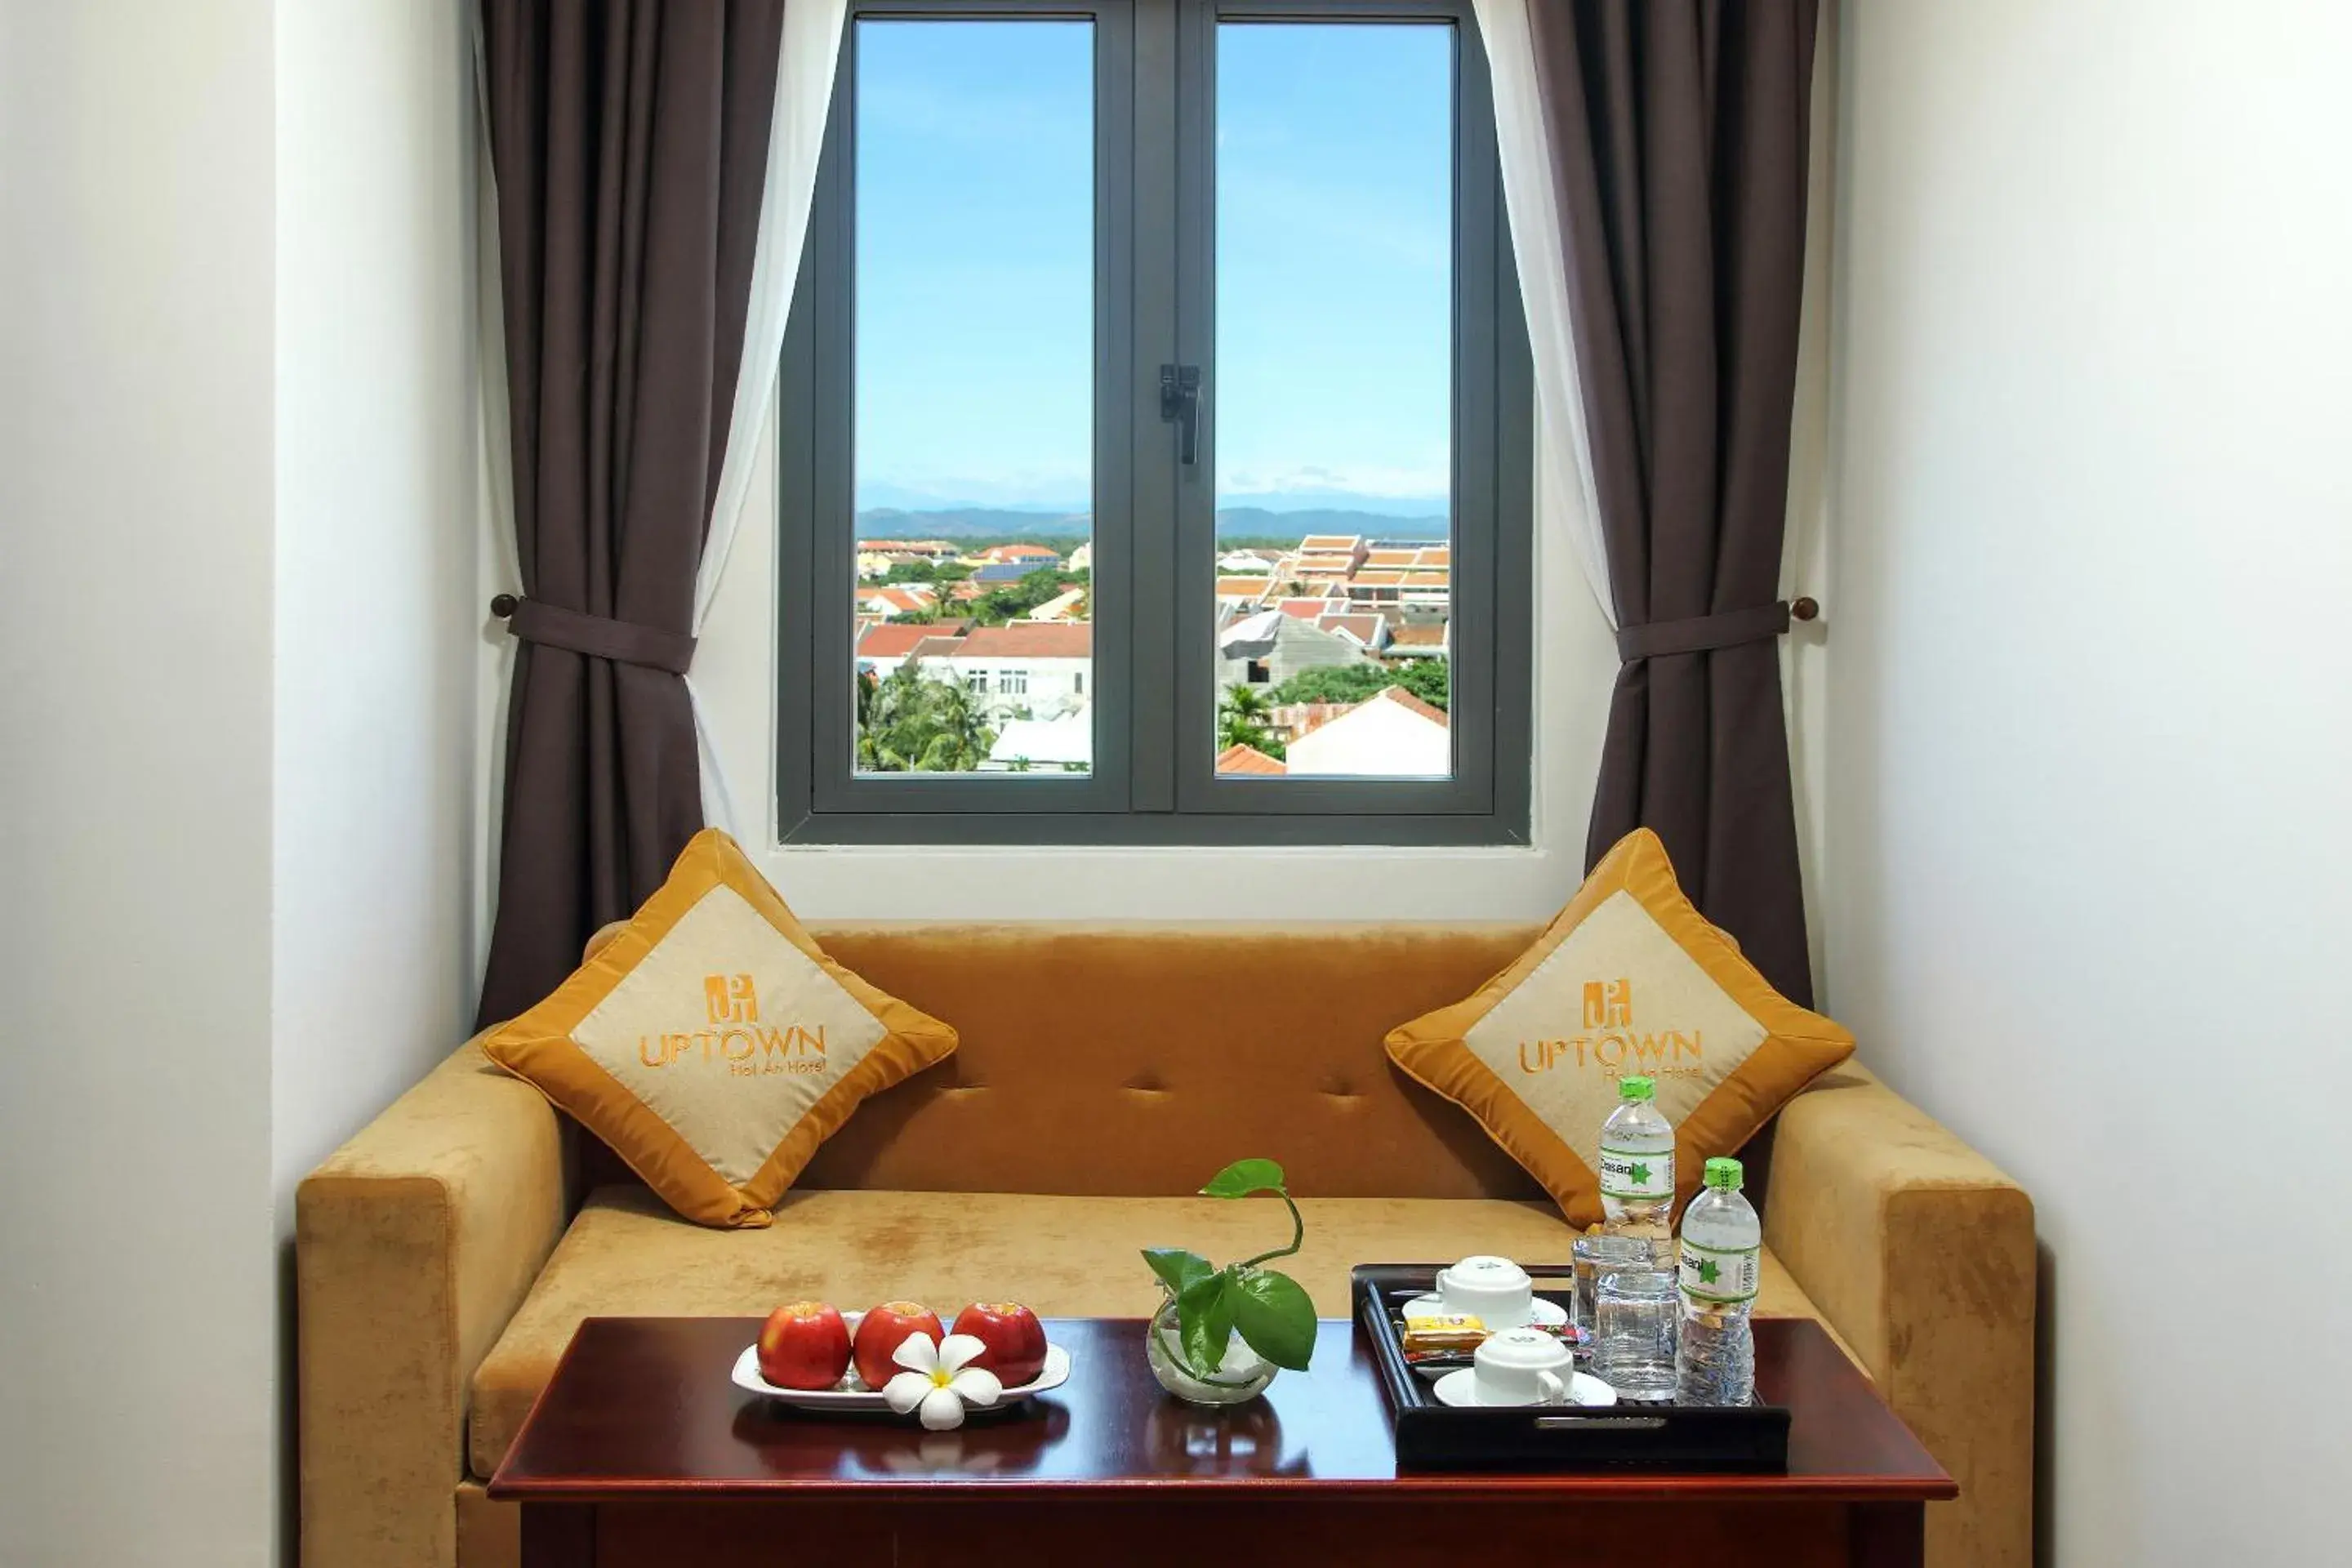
{"type": "Point", "coordinates": [712, 1044]}
{"type": "Point", "coordinates": [1628, 980]}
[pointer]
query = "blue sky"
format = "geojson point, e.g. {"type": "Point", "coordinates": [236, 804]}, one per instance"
{"type": "Point", "coordinates": [976, 263]}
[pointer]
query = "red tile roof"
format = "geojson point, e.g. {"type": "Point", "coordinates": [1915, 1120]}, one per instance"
{"type": "Point", "coordinates": [1391, 557]}
{"type": "Point", "coordinates": [1364, 628]}
{"type": "Point", "coordinates": [1431, 635]}
{"type": "Point", "coordinates": [1322, 542]}
{"type": "Point", "coordinates": [1031, 639]}
{"type": "Point", "coordinates": [1305, 609]}
{"type": "Point", "coordinates": [899, 639]}
{"type": "Point", "coordinates": [1249, 760]}
{"type": "Point", "coordinates": [1243, 587]}
{"type": "Point", "coordinates": [937, 648]}
{"type": "Point", "coordinates": [901, 600]}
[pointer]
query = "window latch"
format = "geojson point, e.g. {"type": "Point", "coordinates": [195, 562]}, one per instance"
{"type": "Point", "coordinates": [1180, 405]}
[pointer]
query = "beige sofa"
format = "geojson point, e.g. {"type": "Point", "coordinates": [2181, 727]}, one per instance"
{"type": "Point", "coordinates": [445, 1254]}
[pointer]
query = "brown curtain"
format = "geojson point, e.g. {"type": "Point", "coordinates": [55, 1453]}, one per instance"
{"type": "Point", "coordinates": [629, 144]}
{"type": "Point", "coordinates": [1678, 135]}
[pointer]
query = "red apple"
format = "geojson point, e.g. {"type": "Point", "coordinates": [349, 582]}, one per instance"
{"type": "Point", "coordinates": [879, 1332]}
{"type": "Point", "coordinates": [804, 1345]}
{"type": "Point", "coordinates": [1013, 1342]}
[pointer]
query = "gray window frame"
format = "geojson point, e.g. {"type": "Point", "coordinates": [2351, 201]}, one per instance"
{"type": "Point", "coordinates": [1153, 780]}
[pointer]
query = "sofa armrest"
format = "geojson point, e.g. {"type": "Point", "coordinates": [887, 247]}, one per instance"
{"type": "Point", "coordinates": [1921, 1254]}
{"type": "Point", "coordinates": [414, 1245]}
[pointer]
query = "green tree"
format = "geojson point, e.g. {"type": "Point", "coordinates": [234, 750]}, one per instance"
{"type": "Point", "coordinates": [1014, 600]}
{"type": "Point", "coordinates": [959, 736]}
{"type": "Point", "coordinates": [1242, 722]}
{"type": "Point", "coordinates": [909, 722]}
{"type": "Point", "coordinates": [1431, 679]}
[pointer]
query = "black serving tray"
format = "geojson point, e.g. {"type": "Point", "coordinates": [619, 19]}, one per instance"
{"type": "Point", "coordinates": [1750, 1439]}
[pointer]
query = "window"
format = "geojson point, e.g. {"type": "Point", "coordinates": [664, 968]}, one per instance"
{"type": "Point", "coordinates": [1166, 354]}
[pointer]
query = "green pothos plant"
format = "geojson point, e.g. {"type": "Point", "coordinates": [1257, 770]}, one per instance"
{"type": "Point", "coordinates": [1268, 1308]}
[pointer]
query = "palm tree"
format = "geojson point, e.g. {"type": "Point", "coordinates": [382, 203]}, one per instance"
{"type": "Point", "coordinates": [1242, 722]}
{"type": "Point", "coordinates": [961, 737]}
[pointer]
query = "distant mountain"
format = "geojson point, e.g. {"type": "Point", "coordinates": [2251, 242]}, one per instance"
{"type": "Point", "coordinates": [1306, 500]}
{"type": "Point", "coordinates": [1257, 522]}
{"type": "Point", "coordinates": [971, 522]}
{"type": "Point", "coordinates": [1233, 523]}
{"type": "Point", "coordinates": [879, 495]}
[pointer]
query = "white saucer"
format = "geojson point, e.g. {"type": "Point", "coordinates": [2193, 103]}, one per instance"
{"type": "Point", "coordinates": [1547, 1314]}
{"type": "Point", "coordinates": [1459, 1389]}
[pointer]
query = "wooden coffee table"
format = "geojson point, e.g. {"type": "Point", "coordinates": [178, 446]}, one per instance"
{"type": "Point", "coordinates": [640, 1452]}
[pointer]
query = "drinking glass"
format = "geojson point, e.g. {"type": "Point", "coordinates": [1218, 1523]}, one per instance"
{"type": "Point", "coordinates": [1636, 1314]}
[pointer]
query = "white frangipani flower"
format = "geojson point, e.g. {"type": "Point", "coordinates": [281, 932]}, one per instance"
{"type": "Point", "coordinates": [937, 1381]}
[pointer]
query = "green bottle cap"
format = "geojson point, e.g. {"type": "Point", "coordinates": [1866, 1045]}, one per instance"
{"type": "Point", "coordinates": [1635, 1088]}
{"type": "Point", "coordinates": [1725, 1173]}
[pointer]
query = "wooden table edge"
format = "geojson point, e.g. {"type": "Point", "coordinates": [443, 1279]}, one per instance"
{"type": "Point", "coordinates": [1496, 1485]}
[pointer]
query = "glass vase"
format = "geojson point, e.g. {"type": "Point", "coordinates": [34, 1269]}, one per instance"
{"type": "Point", "coordinates": [1240, 1378]}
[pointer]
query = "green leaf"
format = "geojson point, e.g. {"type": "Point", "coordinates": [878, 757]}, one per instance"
{"type": "Point", "coordinates": [1242, 1177]}
{"type": "Point", "coordinates": [1177, 1268]}
{"type": "Point", "coordinates": [1204, 1319]}
{"type": "Point", "coordinates": [1275, 1318]}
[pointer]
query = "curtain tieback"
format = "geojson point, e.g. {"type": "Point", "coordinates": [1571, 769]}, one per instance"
{"type": "Point", "coordinates": [1702, 634]}
{"type": "Point", "coordinates": [598, 636]}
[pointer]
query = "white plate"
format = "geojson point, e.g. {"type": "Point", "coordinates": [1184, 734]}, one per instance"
{"type": "Point", "coordinates": [1547, 1314]}
{"type": "Point", "coordinates": [850, 1395]}
{"type": "Point", "coordinates": [1459, 1390]}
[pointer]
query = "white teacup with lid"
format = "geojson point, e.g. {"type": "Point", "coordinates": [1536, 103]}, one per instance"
{"type": "Point", "coordinates": [1520, 1367]}
{"type": "Point", "coordinates": [1496, 1291]}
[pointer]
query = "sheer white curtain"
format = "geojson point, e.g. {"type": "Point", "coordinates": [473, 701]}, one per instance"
{"type": "Point", "coordinates": [812, 45]}
{"type": "Point", "coordinates": [1564, 489]}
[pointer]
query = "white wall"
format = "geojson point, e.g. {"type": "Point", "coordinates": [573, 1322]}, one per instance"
{"type": "Point", "coordinates": [372, 973]}
{"type": "Point", "coordinates": [376, 609]}
{"type": "Point", "coordinates": [237, 607]}
{"type": "Point", "coordinates": [2091, 708]}
{"type": "Point", "coordinates": [136, 1276]}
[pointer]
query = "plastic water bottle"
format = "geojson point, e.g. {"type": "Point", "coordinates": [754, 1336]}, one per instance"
{"type": "Point", "coordinates": [1714, 1351]}
{"type": "Point", "coordinates": [1634, 1308]}
{"type": "Point", "coordinates": [1637, 1170]}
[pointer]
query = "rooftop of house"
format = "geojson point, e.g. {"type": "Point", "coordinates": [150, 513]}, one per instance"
{"type": "Point", "coordinates": [938, 648]}
{"type": "Point", "coordinates": [899, 639]}
{"type": "Point", "coordinates": [1426, 633]}
{"type": "Point", "coordinates": [1243, 587]}
{"type": "Point", "coordinates": [1329, 543]}
{"type": "Point", "coordinates": [1248, 760]}
{"type": "Point", "coordinates": [1364, 628]}
{"type": "Point", "coordinates": [1410, 703]}
{"type": "Point", "coordinates": [1030, 640]}
{"type": "Point", "coordinates": [1060, 607]}
{"type": "Point", "coordinates": [1066, 741]}
{"type": "Point", "coordinates": [1019, 553]}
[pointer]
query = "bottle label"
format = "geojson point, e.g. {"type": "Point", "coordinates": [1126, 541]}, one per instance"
{"type": "Point", "coordinates": [1627, 1174]}
{"type": "Point", "coordinates": [1723, 1276]}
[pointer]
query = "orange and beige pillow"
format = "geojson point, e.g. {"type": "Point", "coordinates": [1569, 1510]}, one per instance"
{"type": "Point", "coordinates": [712, 1044]}
{"type": "Point", "coordinates": [1628, 979]}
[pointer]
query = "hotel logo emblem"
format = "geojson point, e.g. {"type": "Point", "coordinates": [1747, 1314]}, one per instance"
{"type": "Point", "coordinates": [1608, 1041]}
{"type": "Point", "coordinates": [734, 1034]}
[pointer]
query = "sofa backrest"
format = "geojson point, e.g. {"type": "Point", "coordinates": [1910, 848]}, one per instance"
{"type": "Point", "coordinates": [1124, 1060]}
